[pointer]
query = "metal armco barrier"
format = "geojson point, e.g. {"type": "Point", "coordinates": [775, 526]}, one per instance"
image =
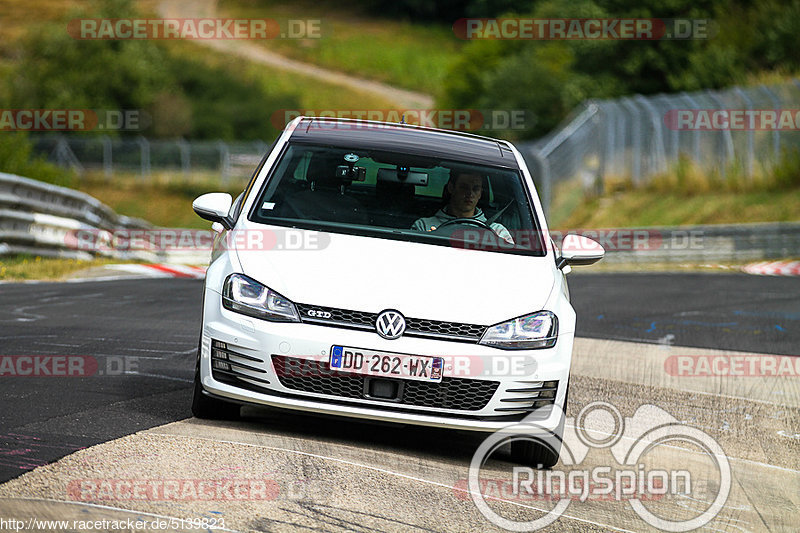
{"type": "Point", "coordinates": [40, 219]}
{"type": "Point", "coordinates": [693, 244]}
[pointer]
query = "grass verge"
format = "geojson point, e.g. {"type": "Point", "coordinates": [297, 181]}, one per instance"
{"type": "Point", "coordinates": [310, 92]}
{"type": "Point", "coordinates": [642, 208]}
{"type": "Point", "coordinates": [686, 196]}
{"type": "Point", "coordinates": [27, 267]}
{"type": "Point", "coordinates": [413, 56]}
{"type": "Point", "coordinates": [161, 200]}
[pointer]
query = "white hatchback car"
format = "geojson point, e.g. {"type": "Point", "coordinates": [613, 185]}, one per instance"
{"type": "Point", "coordinates": [389, 272]}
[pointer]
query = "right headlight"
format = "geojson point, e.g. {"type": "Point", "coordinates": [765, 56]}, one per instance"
{"type": "Point", "coordinates": [528, 332]}
{"type": "Point", "coordinates": [249, 297]}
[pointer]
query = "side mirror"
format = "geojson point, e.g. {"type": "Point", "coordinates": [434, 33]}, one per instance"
{"type": "Point", "coordinates": [579, 250]}
{"type": "Point", "coordinates": [214, 206]}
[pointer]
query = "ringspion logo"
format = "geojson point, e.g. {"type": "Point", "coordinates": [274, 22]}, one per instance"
{"type": "Point", "coordinates": [633, 474]}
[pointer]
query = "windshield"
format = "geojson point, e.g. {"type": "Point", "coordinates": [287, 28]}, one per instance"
{"type": "Point", "coordinates": [400, 196]}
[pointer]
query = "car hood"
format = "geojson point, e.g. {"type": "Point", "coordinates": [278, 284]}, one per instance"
{"type": "Point", "coordinates": [419, 280]}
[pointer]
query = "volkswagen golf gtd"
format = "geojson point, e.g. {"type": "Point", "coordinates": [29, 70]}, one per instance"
{"type": "Point", "coordinates": [389, 272]}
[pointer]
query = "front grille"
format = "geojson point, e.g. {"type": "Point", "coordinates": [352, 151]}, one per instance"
{"type": "Point", "coordinates": [237, 369]}
{"type": "Point", "coordinates": [447, 329]}
{"type": "Point", "coordinates": [415, 327]}
{"type": "Point", "coordinates": [451, 393]}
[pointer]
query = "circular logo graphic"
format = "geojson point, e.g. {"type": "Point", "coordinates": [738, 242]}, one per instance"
{"type": "Point", "coordinates": [390, 324]}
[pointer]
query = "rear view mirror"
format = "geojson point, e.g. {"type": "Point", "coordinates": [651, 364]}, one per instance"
{"type": "Point", "coordinates": [394, 176]}
{"type": "Point", "coordinates": [579, 250]}
{"type": "Point", "coordinates": [345, 172]}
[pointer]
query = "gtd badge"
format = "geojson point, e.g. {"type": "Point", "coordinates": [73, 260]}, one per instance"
{"type": "Point", "coordinates": [390, 325]}
{"type": "Point", "coordinates": [318, 314]}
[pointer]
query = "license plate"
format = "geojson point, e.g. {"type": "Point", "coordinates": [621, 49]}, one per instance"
{"type": "Point", "coordinates": [385, 364]}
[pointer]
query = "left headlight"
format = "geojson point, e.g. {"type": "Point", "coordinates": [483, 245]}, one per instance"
{"type": "Point", "coordinates": [249, 297]}
{"type": "Point", "coordinates": [528, 332]}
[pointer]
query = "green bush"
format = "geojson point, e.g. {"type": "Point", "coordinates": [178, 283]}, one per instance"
{"type": "Point", "coordinates": [786, 174]}
{"type": "Point", "coordinates": [182, 97]}
{"type": "Point", "coordinates": [16, 157]}
{"type": "Point", "coordinates": [551, 77]}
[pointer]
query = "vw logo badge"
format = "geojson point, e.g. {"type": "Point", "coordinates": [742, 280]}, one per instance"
{"type": "Point", "coordinates": [390, 324]}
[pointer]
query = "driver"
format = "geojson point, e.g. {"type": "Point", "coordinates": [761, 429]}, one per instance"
{"type": "Point", "coordinates": [464, 191]}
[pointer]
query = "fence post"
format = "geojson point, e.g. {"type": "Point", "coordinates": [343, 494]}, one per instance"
{"type": "Point", "coordinates": [65, 156]}
{"type": "Point", "coordinates": [748, 156]}
{"type": "Point", "coordinates": [727, 138]}
{"type": "Point", "coordinates": [108, 163]}
{"type": "Point", "coordinates": [186, 161]}
{"type": "Point", "coordinates": [696, 133]}
{"type": "Point", "coordinates": [660, 157]}
{"type": "Point", "coordinates": [674, 143]}
{"type": "Point", "coordinates": [776, 134]}
{"type": "Point", "coordinates": [620, 119]}
{"type": "Point", "coordinates": [144, 156]}
{"type": "Point", "coordinates": [545, 179]}
{"type": "Point", "coordinates": [636, 141]}
{"type": "Point", "coordinates": [224, 162]}
{"type": "Point", "coordinates": [610, 144]}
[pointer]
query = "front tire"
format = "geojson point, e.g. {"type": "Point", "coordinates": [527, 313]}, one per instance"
{"type": "Point", "coordinates": [209, 408]}
{"type": "Point", "coordinates": [542, 453]}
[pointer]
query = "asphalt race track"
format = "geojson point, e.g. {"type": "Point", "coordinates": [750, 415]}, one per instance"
{"type": "Point", "coordinates": [135, 343]}
{"type": "Point", "coordinates": [758, 314]}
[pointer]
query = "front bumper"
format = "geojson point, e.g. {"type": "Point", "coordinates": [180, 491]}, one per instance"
{"type": "Point", "coordinates": [258, 343]}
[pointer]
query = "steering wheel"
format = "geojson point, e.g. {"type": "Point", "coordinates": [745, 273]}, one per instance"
{"type": "Point", "coordinates": [467, 221]}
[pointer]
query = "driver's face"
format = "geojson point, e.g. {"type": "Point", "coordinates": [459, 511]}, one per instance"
{"type": "Point", "coordinates": [464, 194]}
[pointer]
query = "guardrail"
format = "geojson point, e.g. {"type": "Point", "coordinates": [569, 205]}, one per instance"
{"type": "Point", "coordinates": [696, 244]}
{"type": "Point", "coordinates": [42, 219]}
